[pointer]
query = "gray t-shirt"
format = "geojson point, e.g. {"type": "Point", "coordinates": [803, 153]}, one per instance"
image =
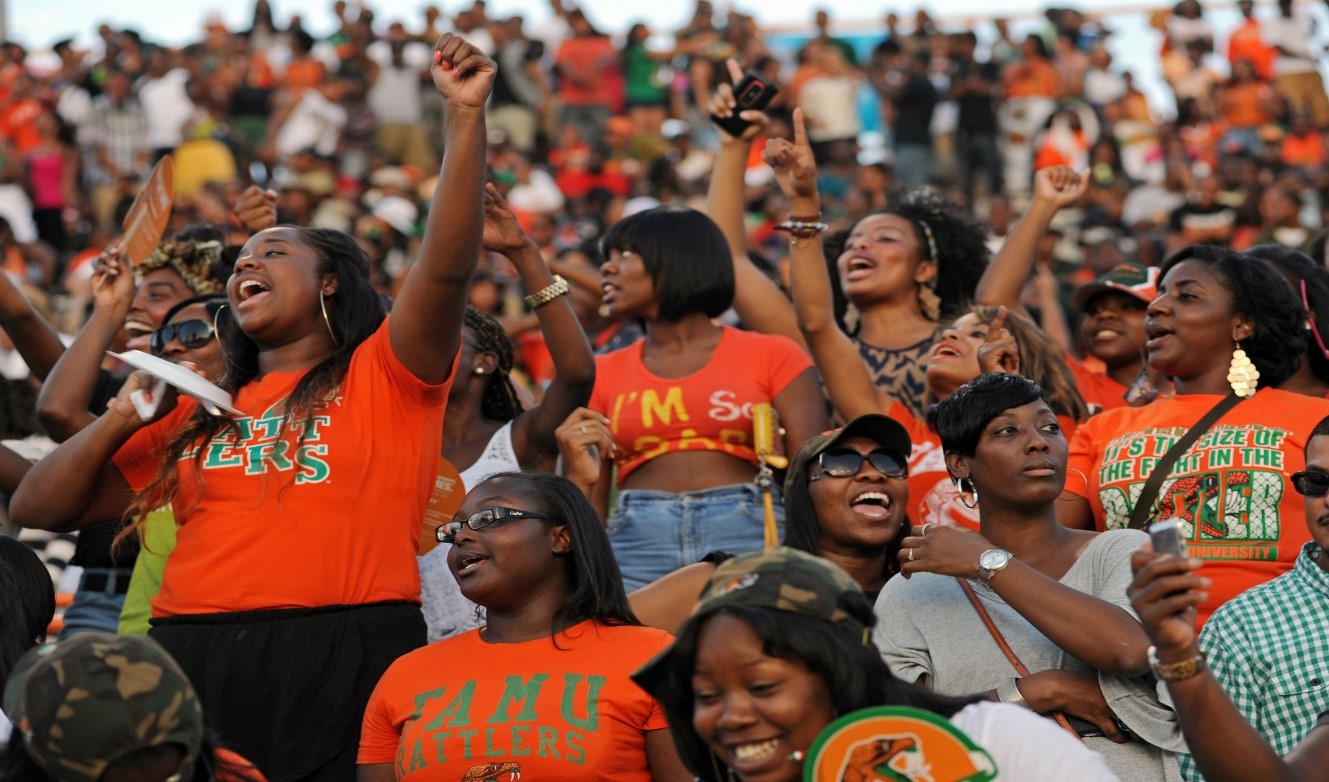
{"type": "Point", "coordinates": [927, 627]}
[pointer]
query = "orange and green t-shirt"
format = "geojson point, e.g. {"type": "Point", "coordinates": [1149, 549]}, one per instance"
{"type": "Point", "coordinates": [1098, 390]}
{"type": "Point", "coordinates": [328, 514]}
{"type": "Point", "coordinates": [1230, 489]}
{"type": "Point", "coordinates": [709, 410]}
{"type": "Point", "coordinates": [559, 709]}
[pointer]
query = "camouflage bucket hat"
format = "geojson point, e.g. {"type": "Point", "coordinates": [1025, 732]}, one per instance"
{"type": "Point", "coordinates": [84, 703]}
{"type": "Point", "coordinates": [779, 578]}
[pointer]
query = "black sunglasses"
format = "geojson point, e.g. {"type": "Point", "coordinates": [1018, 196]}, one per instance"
{"type": "Point", "coordinates": [846, 463]}
{"type": "Point", "coordinates": [447, 531]}
{"type": "Point", "coordinates": [1311, 483]}
{"type": "Point", "coordinates": [193, 334]}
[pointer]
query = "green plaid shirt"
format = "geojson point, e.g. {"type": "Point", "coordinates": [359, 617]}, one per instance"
{"type": "Point", "coordinates": [1269, 648]}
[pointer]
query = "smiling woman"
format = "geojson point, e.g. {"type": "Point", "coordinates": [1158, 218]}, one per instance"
{"type": "Point", "coordinates": [277, 579]}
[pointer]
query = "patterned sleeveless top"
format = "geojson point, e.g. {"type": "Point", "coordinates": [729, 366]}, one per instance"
{"type": "Point", "coordinates": [900, 373]}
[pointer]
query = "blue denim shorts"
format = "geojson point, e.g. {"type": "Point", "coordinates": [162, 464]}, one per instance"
{"type": "Point", "coordinates": [657, 532]}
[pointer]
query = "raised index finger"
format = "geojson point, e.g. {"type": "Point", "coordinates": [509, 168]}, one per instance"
{"type": "Point", "coordinates": [735, 72]}
{"type": "Point", "coordinates": [998, 323]}
{"type": "Point", "coordinates": [800, 129]}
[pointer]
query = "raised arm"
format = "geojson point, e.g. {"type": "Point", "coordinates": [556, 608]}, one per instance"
{"type": "Point", "coordinates": [427, 317]}
{"type": "Point", "coordinates": [574, 363]}
{"type": "Point", "coordinates": [62, 405]}
{"type": "Point", "coordinates": [843, 372]}
{"type": "Point", "coordinates": [76, 485]}
{"type": "Point", "coordinates": [1054, 189]}
{"type": "Point", "coordinates": [1226, 748]}
{"type": "Point", "coordinates": [1088, 628]}
{"type": "Point", "coordinates": [34, 339]}
{"type": "Point", "coordinates": [757, 300]}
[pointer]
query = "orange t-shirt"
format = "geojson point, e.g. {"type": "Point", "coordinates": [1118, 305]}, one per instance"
{"type": "Point", "coordinates": [270, 522]}
{"type": "Point", "coordinates": [1243, 105]}
{"type": "Point", "coordinates": [1241, 515]}
{"type": "Point", "coordinates": [1032, 79]}
{"type": "Point", "coordinates": [18, 123]}
{"type": "Point", "coordinates": [1307, 151]}
{"type": "Point", "coordinates": [709, 410]}
{"type": "Point", "coordinates": [595, 60]}
{"type": "Point", "coordinates": [1246, 44]}
{"type": "Point", "coordinates": [304, 74]}
{"type": "Point", "coordinates": [1099, 391]}
{"type": "Point", "coordinates": [933, 498]}
{"type": "Point", "coordinates": [565, 713]}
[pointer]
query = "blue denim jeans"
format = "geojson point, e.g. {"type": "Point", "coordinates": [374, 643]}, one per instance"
{"type": "Point", "coordinates": [656, 532]}
{"type": "Point", "coordinates": [91, 611]}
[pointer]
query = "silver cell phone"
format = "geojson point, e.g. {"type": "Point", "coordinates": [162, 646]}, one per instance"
{"type": "Point", "coordinates": [1166, 537]}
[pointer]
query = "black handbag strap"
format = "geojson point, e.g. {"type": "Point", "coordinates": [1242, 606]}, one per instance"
{"type": "Point", "coordinates": [1144, 505]}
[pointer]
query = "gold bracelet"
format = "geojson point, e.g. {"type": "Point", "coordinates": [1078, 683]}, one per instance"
{"type": "Point", "coordinates": [559, 287]}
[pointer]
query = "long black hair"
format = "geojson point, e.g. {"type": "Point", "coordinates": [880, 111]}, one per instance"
{"type": "Point", "coordinates": [355, 311]}
{"type": "Point", "coordinates": [1259, 292]}
{"type": "Point", "coordinates": [854, 674]}
{"type": "Point", "coordinates": [595, 584]}
{"type": "Point", "coordinates": [686, 255]}
{"type": "Point", "coordinates": [27, 602]}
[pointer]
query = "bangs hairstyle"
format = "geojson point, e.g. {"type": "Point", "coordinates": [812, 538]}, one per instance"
{"type": "Point", "coordinates": [595, 584]}
{"type": "Point", "coordinates": [1259, 292]}
{"type": "Point", "coordinates": [686, 255]}
{"type": "Point", "coordinates": [853, 672]}
{"type": "Point", "coordinates": [1298, 269]}
{"type": "Point", "coordinates": [1042, 361]}
{"type": "Point", "coordinates": [355, 311]}
{"type": "Point", "coordinates": [962, 251]}
{"type": "Point", "coordinates": [960, 418]}
{"type": "Point", "coordinates": [802, 531]}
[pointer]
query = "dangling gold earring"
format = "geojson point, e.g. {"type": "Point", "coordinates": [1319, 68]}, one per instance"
{"type": "Point", "coordinates": [929, 302]}
{"type": "Point", "coordinates": [323, 306]}
{"type": "Point", "coordinates": [1242, 374]}
{"type": "Point", "coordinates": [850, 318]}
{"type": "Point", "coordinates": [216, 334]}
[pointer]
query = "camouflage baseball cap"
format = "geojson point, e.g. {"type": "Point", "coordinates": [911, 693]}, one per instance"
{"type": "Point", "coordinates": [84, 703]}
{"type": "Point", "coordinates": [780, 578]}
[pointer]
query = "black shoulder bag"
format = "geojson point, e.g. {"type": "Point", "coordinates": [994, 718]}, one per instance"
{"type": "Point", "coordinates": [1143, 505]}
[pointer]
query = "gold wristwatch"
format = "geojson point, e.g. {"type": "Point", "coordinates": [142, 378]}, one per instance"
{"type": "Point", "coordinates": [1175, 672]}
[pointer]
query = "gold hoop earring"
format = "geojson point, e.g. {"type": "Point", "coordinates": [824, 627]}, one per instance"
{"type": "Point", "coordinates": [323, 307]}
{"type": "Point", "coordinates": [216, 334]}
{"type": "Point", "coordinates": [1084, 479]}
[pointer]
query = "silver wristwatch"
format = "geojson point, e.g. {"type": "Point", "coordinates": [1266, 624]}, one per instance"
{"type": "Point", "coordinates": [992, 562]}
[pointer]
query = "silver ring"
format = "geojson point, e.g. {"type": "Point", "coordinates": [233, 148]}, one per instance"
{"type": "Point", "coordinates": [583, 428]}
{"type": "Point", "coordinates": [922, 533]}
{"type": "Point", "coordinates": [911, 554]}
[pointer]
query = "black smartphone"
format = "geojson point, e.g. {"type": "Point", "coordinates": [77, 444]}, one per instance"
{"type": "Point", "coordinates": [1166, 537]}
{"type": "Point", "coordinates": [752, 93]}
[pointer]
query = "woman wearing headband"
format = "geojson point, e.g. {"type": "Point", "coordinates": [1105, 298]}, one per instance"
{"type": "Point", "coordinates": [902, 269]}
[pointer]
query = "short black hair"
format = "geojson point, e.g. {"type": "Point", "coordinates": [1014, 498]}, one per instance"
{"type": "Point", "coordinates": [1321, 430]}
{"type": "Point", "coordinates": [962, 252]}
{"type": "Point", "coordinates": [959, 419]}
{"type": "Point", "coordinates": [854, 673]}
{"type": "Point", "coordinates": [1260, 293]}
{"type": "Point", "coordinates": [686, 255]}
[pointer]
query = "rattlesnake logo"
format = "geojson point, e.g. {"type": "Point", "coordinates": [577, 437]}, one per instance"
{"type": "Point", "coordinates": [873, 761]}
{"type": "Point", "coordinates": [493, 772]}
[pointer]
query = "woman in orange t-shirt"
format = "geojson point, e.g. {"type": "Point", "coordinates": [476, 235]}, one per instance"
{"type": "Point", "coordinates": [546, 676]}
{"type": "Point", "coordinates": [294, 576]}
{"type": "Point", "coordinates": [680, 402]}
{"type": "Point", "coordinates": [1229, 489]}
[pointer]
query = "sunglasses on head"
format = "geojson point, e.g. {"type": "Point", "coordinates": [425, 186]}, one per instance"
{"type": "Point", "coordinates": [1311, 483]}
{"type": "Point", "coordinates": [446, 532]}
{"type": "Point", "coordinates": [846, 463]}
{"type": "Point", "coordinates": [193, 334]}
